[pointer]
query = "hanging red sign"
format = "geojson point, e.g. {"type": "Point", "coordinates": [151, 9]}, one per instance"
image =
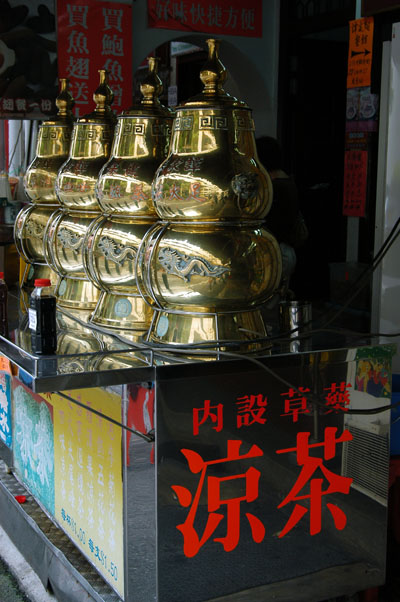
{"type": "Point", "coordinates": [222, 17]}
{"type": "Point", "coordinates": [94, 35]}
{"type": "Point", "coordinates": [355, 182]}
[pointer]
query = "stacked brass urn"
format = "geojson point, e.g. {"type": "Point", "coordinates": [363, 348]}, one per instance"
{"type": "Point", "coordinates": [75, 186]}
{"type": "Point", "coordinates": [124, 194]}
{"type": "Point", "coordinates": [52, 148]}
{"type": "Point", "coordinates": [208, 264]}
{"type": "Point", "coordinates": [161, 235]}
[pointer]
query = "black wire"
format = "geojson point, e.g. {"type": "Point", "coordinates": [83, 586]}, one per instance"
{"type": "Point", "coordinates": [313, 399]}
{"type": "Point", "coordinates": [364, 277]}
{"type": "Point", "coordinates": [149, 438]}
{"type": "Point", "coordinates": [282, 337]}
{"type": "Point", "coordinates": [213, 347]}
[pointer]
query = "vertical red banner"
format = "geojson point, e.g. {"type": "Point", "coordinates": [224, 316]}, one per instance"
{"type": "Point", "coordinates": [355, 182]}
{"type": "Point", "coordinates": [93, 35]}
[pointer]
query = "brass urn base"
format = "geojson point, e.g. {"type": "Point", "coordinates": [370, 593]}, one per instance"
{"type": "Point", "coordinates": [122, 312]}
{"type": "Point", "coordinates": [184, 328]}
{"type": "Point", "coordinates": [76, 294]}
{"type": "Point", "coordinates": [33, 271]}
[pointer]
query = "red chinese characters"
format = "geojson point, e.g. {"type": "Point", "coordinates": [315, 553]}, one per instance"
{"type": "Point", "coordinates": [250, 409]}
{"type": "Point", "coordinates": [338, 397]}
{"type": "Point", "coordinates": [310, 465]}
{"type": "Point", "coordinates": [355, 182]}
{"type": "Point", "coordinates": [208, 412]}
{"type": "Point", "coordinates": [95, 35]}
{"type": "Point", "coordinates": [211, 486]}
{"type": "Point", "coordinates": [295, 403]}
{"type": "Point", "coordinates": [223, 17]}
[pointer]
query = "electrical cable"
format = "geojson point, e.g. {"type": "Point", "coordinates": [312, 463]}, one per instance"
{"type": "Point", "coordinates": [363, 278]}
{"type": "Point", "coordinates": [183, 350]}
{"type": "Point", "coordinates": [149, 438]}
{"type": "Point", "coordinates": [209, 348]}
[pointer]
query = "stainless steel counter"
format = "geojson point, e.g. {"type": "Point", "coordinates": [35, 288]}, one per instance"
{"type": "Point", "coordinates": [221, 436]}
{"type": "Point", "coordinates": [89, 356]}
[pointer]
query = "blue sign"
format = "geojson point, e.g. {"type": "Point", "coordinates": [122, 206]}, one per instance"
{"type": "Point", "coordinates": [5, 409]}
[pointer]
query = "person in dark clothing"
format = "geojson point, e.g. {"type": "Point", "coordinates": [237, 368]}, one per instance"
{"type": "Point", "coordinates": [284, 219]}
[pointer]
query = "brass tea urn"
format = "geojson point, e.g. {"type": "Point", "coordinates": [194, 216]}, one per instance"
{"type": "Point", "coordinates": [208, 264]}
{"type": "Point", "coordinates": [75, 187]}
{"type": "Point", "coordinates": [52, 149]}
{"type": "Point", "coordinates": [124, 194]}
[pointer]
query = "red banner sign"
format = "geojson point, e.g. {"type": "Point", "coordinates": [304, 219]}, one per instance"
{"type": "Point", "coordinates": [221, 17]}
{"type": "Point", "coordinates": [355, 182]}
{"type": "Point", "coordinates": [95, 35]}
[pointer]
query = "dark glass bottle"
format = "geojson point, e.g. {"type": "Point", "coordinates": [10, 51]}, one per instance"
{"type": "Point", "coordinates": [42, 318]}
{"type": "Point", "coordinates": [3, 306]}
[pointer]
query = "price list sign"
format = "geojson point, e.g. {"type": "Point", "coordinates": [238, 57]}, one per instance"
{"type": "Point", "coordinates": [88, 476]}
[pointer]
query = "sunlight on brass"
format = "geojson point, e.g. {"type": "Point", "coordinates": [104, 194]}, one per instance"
{"type": "Point", "coordinates": [76, 190]}
{"type": "Point", "coordinates": [212, 171]}
{"type": "Point", "coordinates": [29, 231]}
{"type": "Point", "coordinates": [52, 148]}
{"type": "Point", "coordinates": [208, 264]}
{"type": "Point", "coordinates": [124, 190]}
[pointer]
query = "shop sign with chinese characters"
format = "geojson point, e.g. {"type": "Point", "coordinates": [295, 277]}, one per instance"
{"type": "Point", "coordinates": [252, 409]}
{"type": "Point", "coordinates": [361, 33]}
{"type": "Point", "coordinates": [255, 473]}
{"type": "Point", "coordinates": [88, 468]}
{"type": "Point", "coordinates": [355, 174]}
{"type": "Point", "coordinates": [70, 458]}
{"type": "Point", "coordinates": [28, 59]}
{"type": "Point", "coordinates": [223, 17]}
{"type": "Point", "coordinates": [93, 35]}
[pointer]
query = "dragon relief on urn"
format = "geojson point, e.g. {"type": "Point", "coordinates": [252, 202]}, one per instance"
{"type": "Point", "coordinates": [208, 265]}
{"type": "Point", "coordinates": [124, 192]}
{"type": "Point", "coordinates": [52, 149]}
{"type": "Point", "coordinates": [76, 189]}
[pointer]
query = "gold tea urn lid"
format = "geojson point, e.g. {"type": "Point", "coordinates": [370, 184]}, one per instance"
{"type": "Point", "coordinates": [151, 89]}
{"type": "Point", "coordinates": [64, 102]}
{"type": "Point", "coordinates": [213, 75]}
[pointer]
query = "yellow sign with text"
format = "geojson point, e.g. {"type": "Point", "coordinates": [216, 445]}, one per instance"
{"type": "Point", "coordinates": [88, 478]}
{"type": "Point", "coordinates": [361, 35]}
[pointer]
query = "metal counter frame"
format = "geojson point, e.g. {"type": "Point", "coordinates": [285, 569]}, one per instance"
{"type": "Point", "coordinates": [242, 480]}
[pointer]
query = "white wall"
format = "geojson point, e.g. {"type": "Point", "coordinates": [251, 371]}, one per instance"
{"type": "Point", "coordinates": [252, 63]}
{"type": "Point", "coordinates": [386, 284]}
